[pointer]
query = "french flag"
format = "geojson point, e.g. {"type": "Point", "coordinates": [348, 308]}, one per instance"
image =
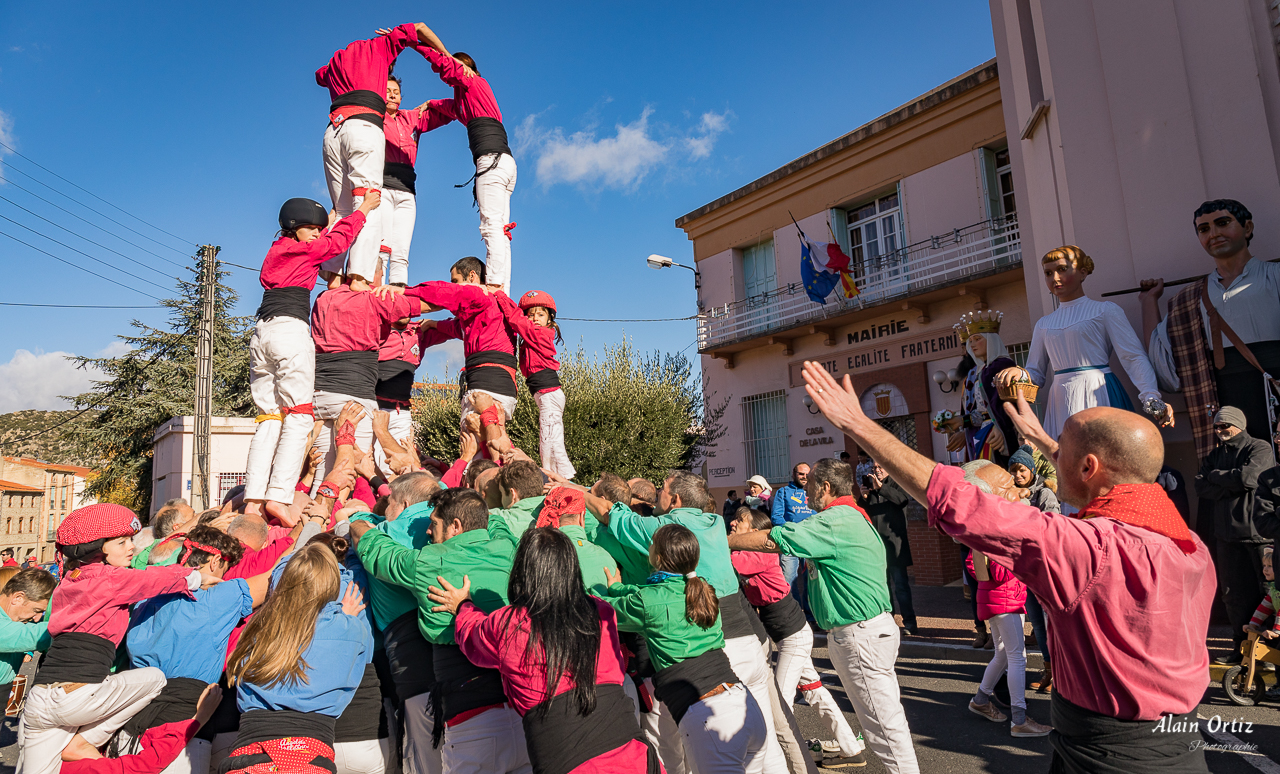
{"type": "Point", "coordinates": [827, 257]}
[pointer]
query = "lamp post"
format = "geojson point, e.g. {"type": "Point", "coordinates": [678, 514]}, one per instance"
{"type": "Point", "coordinates": [950, 376]}
{"type": "Point", "coordinates": [656, 261]}
{"type": "Point", "coordinates": [808, 404]}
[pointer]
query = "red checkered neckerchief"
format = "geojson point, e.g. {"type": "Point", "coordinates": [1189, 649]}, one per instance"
{"type": "Point", "coordinates": [1146, 506]}
{"type": "Point", "coordinates": [559, 502]}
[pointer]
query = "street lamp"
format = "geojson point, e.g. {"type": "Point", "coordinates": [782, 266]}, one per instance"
{"type": "Point", "coordinates": [808, 404]}
{"type": "Point", "coordinates": [950, 376]}
{"type": "Point", "coordinates": [662, 262]}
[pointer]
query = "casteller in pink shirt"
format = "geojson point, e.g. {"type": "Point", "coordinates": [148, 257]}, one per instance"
{"type": "Point", "coordinates": [1128, 610]}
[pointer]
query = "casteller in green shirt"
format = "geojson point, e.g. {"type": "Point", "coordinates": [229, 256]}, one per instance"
{"type": "Point", "coordinates": [657, 610]}
{"type": "Point", "coordinates": [847, 576]}
{"type": "Point", "coordinates": [634, 533]}
{"type": "Point", "coordinates": [410, 529]}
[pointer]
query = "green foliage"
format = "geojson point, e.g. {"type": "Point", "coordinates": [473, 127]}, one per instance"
{"type": "Point", "coordinates": [631, 414]}
{"type": "Point", "coordinates": [154, 382]}
{"type": "Point", "coordinates": [43, 435]}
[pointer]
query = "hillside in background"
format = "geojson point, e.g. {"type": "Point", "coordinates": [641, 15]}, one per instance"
{"type": "Point", "coordinates": [52, 446]}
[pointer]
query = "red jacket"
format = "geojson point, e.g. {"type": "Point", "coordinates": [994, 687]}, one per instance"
{"type": "Point", "coordinates": [480, 317]}
{"type": "Point", "coordinates": [409, 343]}
{"type": "Point", "coordinates": [345, 320]}
{"type": "Point", "coordinates": [160, 747]}
{"type": "Point", "coordinates": [538, 351]}
{"type": "Point", "coordinates": [1002, 594]}
{"type": "Point", "coordinates": [95, 598]}
{"type": "Point", "coordinates": [364, 64]}
{"type": "Point", "coordinates": [293, 264]}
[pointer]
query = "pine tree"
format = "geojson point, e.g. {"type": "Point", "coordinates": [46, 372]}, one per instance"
{"type": "Point", "coordinates": [154, 382]}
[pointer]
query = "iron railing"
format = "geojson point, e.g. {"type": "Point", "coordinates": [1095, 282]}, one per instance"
{"type": "Point", "coordinates": [940, 260]}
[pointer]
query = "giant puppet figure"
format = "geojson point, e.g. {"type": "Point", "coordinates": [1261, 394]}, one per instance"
{"type": "Point", "coordinates": [1074, 344]}
{"type": "Point", "coordinates": [988, 431]}
{"type": "Point", "coordinates": [1196, 349]}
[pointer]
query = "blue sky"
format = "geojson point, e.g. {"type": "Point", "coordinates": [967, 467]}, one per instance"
{"type": "Point", "coordinates": [202, 118]}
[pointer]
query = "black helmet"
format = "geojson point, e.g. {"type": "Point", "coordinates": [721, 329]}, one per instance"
{"type": "Point", "coordinates": [303, 212]}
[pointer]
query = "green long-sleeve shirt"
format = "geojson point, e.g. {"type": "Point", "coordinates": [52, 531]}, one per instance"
{"type": "Point", "coordinates": [847, 581]}
{"type": "Point", "coordinates": [635, 533]}
{"type": "Point", "coordinates": [411, 529]}
{"type": "Point", "coordinates": [16, 640]}
{"type": "Point", "coordinates": [512, 522]}
{"type": "Point", "coordinates": [657, 611]}
{"type": "Point", "coordinates": [486, 561]}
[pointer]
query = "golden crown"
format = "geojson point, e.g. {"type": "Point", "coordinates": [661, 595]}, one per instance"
{"type": "Point", "coordinates": [981, 322]}
{"type": "Point", "coordinates": [961, 332]}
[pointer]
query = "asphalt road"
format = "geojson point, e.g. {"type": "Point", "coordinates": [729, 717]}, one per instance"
{"type": "Point", "coordinates": [951, 740]}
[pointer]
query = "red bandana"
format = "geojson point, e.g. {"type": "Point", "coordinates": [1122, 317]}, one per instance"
{"type": "Point", "coordinates": [1146, 506]}
{"type": "Point", "coordinates": [561, 501]}
{"type": "Point", "coordinates": [852, 503]}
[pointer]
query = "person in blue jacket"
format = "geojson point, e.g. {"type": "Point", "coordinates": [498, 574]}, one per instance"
{"type": "Point", "coordinates": [791, 505]}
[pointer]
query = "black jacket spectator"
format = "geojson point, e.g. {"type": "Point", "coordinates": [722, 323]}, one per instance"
{"type": "Point", "coordinates": [1228, 477]}
{"type": "Point", "coordinates": [1266, 508]}
{"type": "Point", "coordinates": [885, 507]}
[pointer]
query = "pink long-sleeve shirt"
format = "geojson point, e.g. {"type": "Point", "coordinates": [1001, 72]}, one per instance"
{"type": "Point", "coordinates": [409, 343]}
{"type": "Point", "coordinates": [404, 128]}
{"type": "Point", "coordinates": [1128, 610]}
{"type": "Point", "coordinates": [344, 320]}
{"type": "Point", "coordinates": [260, 561]}
{"type": "Point", "coordinates": [364, 64]}
{"type": "Point", "coordinates": [160, 747]}
{"type": "Point", "coordinates": [472, 97]}
{"type": "Point", "coordinates": [539, 350]}
{"type": "Point", "coordinates": [497, 640]}
{"type": "Point", "coordinates": [483, 326]}
{"type": "Point", "coordinates": [293, 264]}
{"type": "Point", "coordinates": [765, 583]}
{"type": "Point", "coordinates": [95, 598]}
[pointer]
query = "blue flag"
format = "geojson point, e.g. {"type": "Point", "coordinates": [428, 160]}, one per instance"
{"type": "Point", "coordinates": [817, 284]}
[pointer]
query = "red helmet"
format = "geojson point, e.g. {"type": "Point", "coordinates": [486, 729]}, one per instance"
{"type": "Point", "coordinates": [537, 298]}
{"type": "Point", "coordinates": [100, 521]}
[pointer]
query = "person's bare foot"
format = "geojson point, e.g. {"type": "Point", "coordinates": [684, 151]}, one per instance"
{"type": "Point", "coordinates": [281, 513]}
{"type": "Point", "coordinates": [253, 507]}
{"type": "Point", "coordinates": [79, 749]}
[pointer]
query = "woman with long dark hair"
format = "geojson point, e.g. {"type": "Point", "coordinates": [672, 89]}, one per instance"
{"type": "Point", "coordinates": [561, 664]}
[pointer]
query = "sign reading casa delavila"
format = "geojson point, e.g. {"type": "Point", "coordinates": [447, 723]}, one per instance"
{"type": "Point", "coordinates": [887, 351]}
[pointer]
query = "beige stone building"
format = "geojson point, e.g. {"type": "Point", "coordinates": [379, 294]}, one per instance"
{"type": "Point", "coordinates": [43, 494]}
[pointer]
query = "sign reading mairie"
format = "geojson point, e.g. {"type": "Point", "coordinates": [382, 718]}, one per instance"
{"type": "Point", "coordinates": [940, 344]}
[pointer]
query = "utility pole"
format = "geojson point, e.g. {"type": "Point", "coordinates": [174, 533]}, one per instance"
{"type": "Point", "coordinates": [204, 380]}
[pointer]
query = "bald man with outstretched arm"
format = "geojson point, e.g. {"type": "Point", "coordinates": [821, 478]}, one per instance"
{"type": "Point", "coordinates": [1125, 585]}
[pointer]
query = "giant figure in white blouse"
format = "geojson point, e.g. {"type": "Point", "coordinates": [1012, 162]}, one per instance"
{"type": "Point", "coordinates": [1074, 343]}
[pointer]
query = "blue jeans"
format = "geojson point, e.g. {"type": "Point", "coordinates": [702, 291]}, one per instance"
{"type": "Point", "coordinates": [1035, 614]}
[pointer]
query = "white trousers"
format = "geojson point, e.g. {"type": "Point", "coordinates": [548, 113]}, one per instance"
{"type": "Point", "coordinates": [795, 668]}
{"type": "Point", "coordinates": [1010, 654]}
{"type": "Point", "coordinates": [505, 402]}
{"type": "Point", "coordinates": [399, 212]}
{"type": "Point", "coordinates": [282, 372]}
{"type": "Point", "coordinates": [368, 756]}
{"type": "Point", "coordinates": [747, 660]}
{"type": "Point", "coordinates": [490, 743]}
{"type": "Point", "coordinates": [400, 426]}
{"type": "Point", "coordinates": [419, 756]}
{"type": "Point", "coordinates": [726, 733]}
{"type": "Point", "coordinates": [551, 432]}
{"type": "Point", "coordinates": [863, 655]}
{"type": "Point", "coordinates": [660, 729]}
{"type": "Point", "coordinates": [354, 153]}
{"type": "Point", "coordinates": [493, 197]}
{"type": "Point", "coordinates": [328, 407]}
{"type": "Point", "coordinates": [51, 717]}
{"type": "Point", "coordinates": [194, 758]}
{"type": "Point", "coordinates": [794, 749]}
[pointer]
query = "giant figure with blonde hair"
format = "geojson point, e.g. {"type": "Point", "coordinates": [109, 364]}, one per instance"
{"type": "Point", "coordinates": [1074, 343]}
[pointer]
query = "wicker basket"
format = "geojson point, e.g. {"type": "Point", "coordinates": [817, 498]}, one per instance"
{"type": "Point", "coordinates": [1025, 389]}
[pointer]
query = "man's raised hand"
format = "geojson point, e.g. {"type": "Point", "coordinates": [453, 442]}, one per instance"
{"type": "Point", "coordinates": [1029, 427]}
{"type": "Point", "coordinates": [837, 401]}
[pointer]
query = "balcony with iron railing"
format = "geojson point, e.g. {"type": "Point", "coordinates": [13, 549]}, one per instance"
{"type": "Point", "coordinates": [966, 260]}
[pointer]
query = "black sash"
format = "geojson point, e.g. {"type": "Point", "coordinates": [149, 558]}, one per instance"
{"type": "Point", "coordinates": [680, 686]}
{"type": "Point", "coordinates": [409, 654]}
{"type": "Point", "coordinates": [399, 177]}
{"type": "Point", "coordinates": [176, 702]}
{"type": "Point", "coordinates": [363, 719]}
{"type": "Point", "coordinates": [265, 725]}
{"type": "Point", "coordinates": [545, 379]}
{"type": "Point", "coordinates": [286, 302]}
{"type": "Point", "coordinates": [460, 686]}
{"type": "Point", "coordinates": [347, 373]}
{"type": "Point", "coordinates": [363, 98]}
{"type": "Point", "coordinates": [1085, 742]}
{"type": "Point", "coordinates": [487, 135]}
{"type": "Point", "coordinates": [782, 618]}
{"type": "Point", "coordinates": [75, 657]}
{"type": "Point", "coordinates": [560, 740]}
{"type": "Point", "coordinates": [733, 617]}
{"type": "Point", "coordinates": [395, 381]}
{"type": "Point", "coordinates": [482, 373]}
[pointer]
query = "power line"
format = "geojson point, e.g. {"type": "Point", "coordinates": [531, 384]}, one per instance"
{"type": "Point", "coordinates": [78, 266]}
{"type": "Point", "coordinates": [80, 306]}
{"type": "Point", "coordinates": [86, 255]}
{"type": "Point", "coordinates": [85, 238]}
{"type": "Point", "coordinates": [238, 266]}
{"type": "Point", "coordinates": [29, 192]}
{"type": "Point", "coordinates": [655, 319]}
{"type": "Point", "coordinates": [99, 198]}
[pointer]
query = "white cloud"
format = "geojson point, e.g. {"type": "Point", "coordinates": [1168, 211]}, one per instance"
{"type": "Point", "coordinates": [6, 135]}
{"type": "Point", "coordinates": [620, 161]}
{"type": "Point", "coordinates": [443, 361]}
{"type": "Point", "coordinates": [34, 380]}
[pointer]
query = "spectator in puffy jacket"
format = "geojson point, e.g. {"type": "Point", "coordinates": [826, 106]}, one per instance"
{"type": "Point", "coordinates": [1002, 600]}
{"type": "Point", "coordinates": [1022, 466]}
{"type": "Point", "coordinates": [1228, 477]}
